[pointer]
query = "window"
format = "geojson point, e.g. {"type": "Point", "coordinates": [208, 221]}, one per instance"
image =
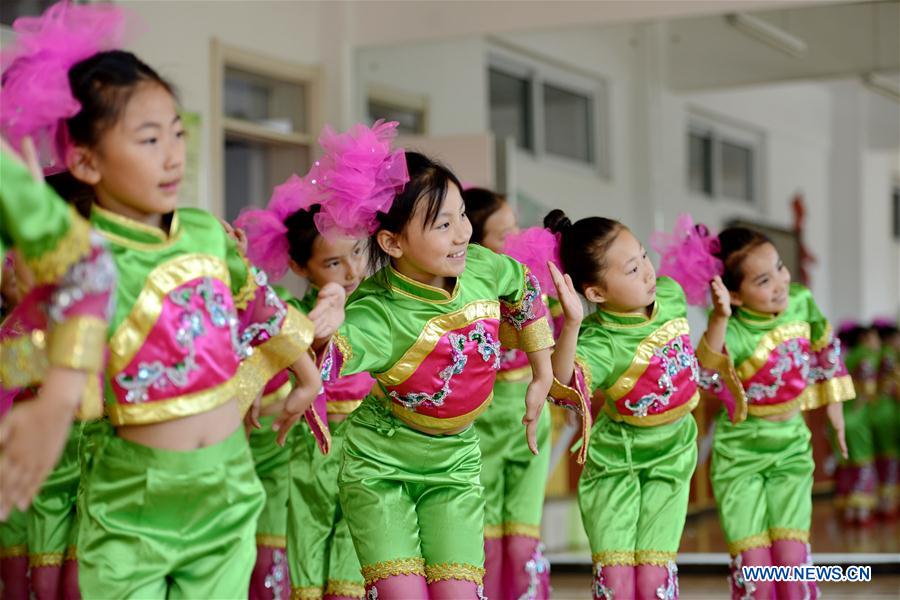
{"type": "Point", "coordinates": [723, 160]}
{"type": "Point", "coordinates": [10, 10]}
{"type": "Point", "coordinates": [511, 113]}
{"type": "Point", "coordinates": [551, 111]}
{"type": "Point", "coordinates": [567, 124]}
{"type": "Point", "coordinates": [410, 111]}
{"type": "Point", "coordinates": [263, 126]}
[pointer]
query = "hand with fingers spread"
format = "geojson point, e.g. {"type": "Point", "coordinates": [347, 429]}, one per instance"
{"type": "Point", "coordinates": [835, 412]}
{"type": "Point", "coordinates": [309, 385]}
{"type": "Point", "coordinates": [26, 458]}
{"type": "Point", "coordinates": [328, 313]}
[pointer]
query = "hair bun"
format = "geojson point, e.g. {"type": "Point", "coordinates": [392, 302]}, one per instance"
{"type": "Point", "coordinates": [557, 221]}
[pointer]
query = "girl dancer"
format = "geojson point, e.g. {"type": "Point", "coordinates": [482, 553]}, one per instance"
{"type": "Point", "coordinates": [769, 353]}
{"type": "Point", "coordinates": [321, 556]}
{"type": "Point", "coordinates": [428, 326]}
{"type": "Point", "coordinates": [636, 349]}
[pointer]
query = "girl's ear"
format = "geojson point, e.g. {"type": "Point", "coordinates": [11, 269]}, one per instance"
{"type": "Point", "coordinates": [390, 243]}
{"type": "Point", "coordinates": [82, 164]}
{"type": "Point", "coordinates": [595, 294]}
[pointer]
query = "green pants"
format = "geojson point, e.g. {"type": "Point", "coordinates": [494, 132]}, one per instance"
{"type": "Point", "coordinates": [514, 479]}
{"type": "Point", "coordinates": [633, 492]}
{"type": "Point", "coordinates": [271, 462]}
{"type": "Point", "coordinates": [14, 535]}
{"type": "Point", "coordinates": [167, 524]}
{"type": "Point", "coordinates": [51, 519]}
{"type": "Point", "coordinates": [321, 555]}
{"type": "Point", "coordinates": [762, 476]}
{"type": "Point", "coordinates": [885, 432]}
{"type": "Point", "coordinates": [413, 501]}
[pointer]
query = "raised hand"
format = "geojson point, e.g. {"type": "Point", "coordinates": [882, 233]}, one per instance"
{"type": "Point", "coordinates": [721, 299]}
{"type": "Point", "coordinates": [573, 310]}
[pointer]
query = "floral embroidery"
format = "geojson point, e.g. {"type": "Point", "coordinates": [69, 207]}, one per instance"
{"type": "Point", "coordinates": [671, 366]}
{"type": "Point", "coordinates": [743, 589]}
{"type": "Point", "coordinates": [599, 589]}
{"type": "Point", "coordinates": [372, 594]}
{"type": "Point", "coordinates": [95, 275]}
{"type": "Point", "coordinates": [710, 381]}
{"type": "Point", "coordinates": [788, 356]}
{"type": "Point", "coordinates": [414, 399]}
{"type": "Point", "coordinates": [275, 579]}
{"type": "Point", "coordinates": [487, 345]}
{"type": "Point", "coordinates": [262, 329]}
{"type": "Point", "coordinates": [190, 327]}
{"type": "Point", "coordinates": [669, 590]}
{"type": "Point", "coordinates": [828, 362]}
{"type": "Point", "coordinates": [538, 569]}
{"type": "Point", "coordinates": [523, 313]}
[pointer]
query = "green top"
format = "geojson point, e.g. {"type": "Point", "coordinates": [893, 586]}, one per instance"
{"type": "Point", "coordinates": [47, 232]}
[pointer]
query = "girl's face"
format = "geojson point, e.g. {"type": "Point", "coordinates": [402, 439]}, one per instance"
{"type": "Point", "coordinates": [766, 281]}
{"type": "Point", "coordinates": [340, 261]}
{"type": "Point", "coordinates": [498, 226]}
{"type": "Point", "coordinates": [629, 282]}
{"type": "Point", "coordinates": [430, 253]}
{"type": "Point", "coordinates": [138, 164]}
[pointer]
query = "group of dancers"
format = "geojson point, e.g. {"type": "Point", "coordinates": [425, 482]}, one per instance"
{"type": "Point", "coordinates": [154, 380]}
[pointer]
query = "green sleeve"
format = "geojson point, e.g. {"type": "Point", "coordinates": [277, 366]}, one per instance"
{"type": "Point", "coordinates": [364, 339]}
{"type": "Point", "coordinates": [47, 232]}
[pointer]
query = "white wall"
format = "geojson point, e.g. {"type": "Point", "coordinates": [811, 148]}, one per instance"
{"type": "Point", "coordinates": [177, 44]}
{"type": "Point", "coordinates": [795, 121]}
{"type": "Point", "coordinates": [450, 74]}
{"type": "Point", "coordinates": [803, 126]}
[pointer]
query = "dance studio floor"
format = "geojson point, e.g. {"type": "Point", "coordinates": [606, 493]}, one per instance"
{"type": "Point", "coordinates": [703, 560]}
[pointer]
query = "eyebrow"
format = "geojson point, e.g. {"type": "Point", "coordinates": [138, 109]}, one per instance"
{"type": "Point", "coordinates": [154, 125]}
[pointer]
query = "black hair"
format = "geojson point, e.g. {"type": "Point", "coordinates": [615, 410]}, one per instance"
{"type": "Point", "coordinates": [301, 233]}
{"type": "Point", "coordinates": [480, 205]}
{"type": "Point", "coordinates": [852, 336]}
{"type": "Point", "coordinates": [886, 329]}
{"type": "Point", "coordinates": [428, 182]}
{"type": "Point", "coordinates": [735, 243]}
{"type": "Point", "coordinates": [103, 84]}
{"type": "Point", "coordinates": [583, 245]}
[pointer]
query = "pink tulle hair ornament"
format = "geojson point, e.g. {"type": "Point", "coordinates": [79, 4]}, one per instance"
{"type": "Point", "coordinates": [267, 242]}
{"type": "Point", "coordinates": [847, 326]}
{"type": "Point", "coordinates": [357, 177]}
{"type": "Point", "coordinates": [535, 247]}
{"type": "Point", "coordinates": [688, 256]}
{"type": "Point", "coordinates": [36, 93]}
{"type": "Point", "coordinates": [884, 322]}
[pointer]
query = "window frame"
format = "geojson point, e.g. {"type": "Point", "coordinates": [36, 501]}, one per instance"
{"type": "Point", "coordinates": [723, 130]}
{"type": "Point", "coordinates": [223, 56]}
{"type": "Point", "coordinates": [400, 100]}
{"type": "Point", "coordinates": [541, 71]}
